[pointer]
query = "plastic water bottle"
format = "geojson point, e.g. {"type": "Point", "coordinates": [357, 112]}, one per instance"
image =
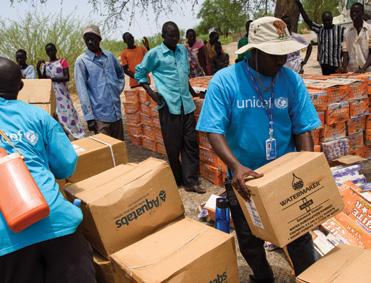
{"type": "Point", "coordinates": [222, 215]}
{"type": "Point", "coordinates": [21, 202]}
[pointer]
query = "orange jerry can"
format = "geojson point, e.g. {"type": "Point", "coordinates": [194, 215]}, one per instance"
{"type": "Point", "coordinates": [21, 202]}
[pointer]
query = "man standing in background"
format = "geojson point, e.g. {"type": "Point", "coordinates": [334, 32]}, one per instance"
{"type": "Point", "coordinates": [99, 82]}
{"type": "Point", "coordinates": [330, 38]}
{"type": "Point", "coordinates": [132, 56]}
{"type": "Point", "coordinates": [169, 66]}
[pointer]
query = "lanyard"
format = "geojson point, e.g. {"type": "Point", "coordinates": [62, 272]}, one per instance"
{"type": "Point", "coordinates": [268, 106]}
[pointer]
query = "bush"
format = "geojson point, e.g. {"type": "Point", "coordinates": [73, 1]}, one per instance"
{"type": "Point", "coordinates": [35, 30]}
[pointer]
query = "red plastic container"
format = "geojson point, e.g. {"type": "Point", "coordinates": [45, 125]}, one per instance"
{"type": "Point", "coordinates": [21, 202]}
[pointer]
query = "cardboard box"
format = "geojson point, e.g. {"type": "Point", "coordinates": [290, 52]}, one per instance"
{"type": "Point", "coordinates": [296, 194]}
{"type": "Point", "coordinates": [337, 112]}
{"type": "Point", "coordinates": [186, 251]}
{"type": "Point", "coordinates": [39, 93]}
{"type": "Point", "coordinates": [126, 203]}
{"type": "Point", "coordinates": [356, 206]}
{"type": "Point", "coordinates": [104, 271]}
{"type": "Point", "coordinates": [343, 235]}
{"type": "Point", "coordinates": [96, 154]}
{"type": "Point", "coordinates": [344, 264]}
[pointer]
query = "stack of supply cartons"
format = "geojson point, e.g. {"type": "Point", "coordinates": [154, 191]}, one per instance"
{"type": "Point", "coordinates": [134, 217]}
{"type": "Point", "coordinates": [342, 106]}
{"type": "Point", "coordinates": [142, 120]}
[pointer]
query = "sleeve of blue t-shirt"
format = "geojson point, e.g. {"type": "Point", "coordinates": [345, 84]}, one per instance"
{"type": "Point", "coordinates": [61, 155]}
{"type": "Point", "coordinates": [216, 110]}
{"type": "Point", "coordinates": [302, 112]}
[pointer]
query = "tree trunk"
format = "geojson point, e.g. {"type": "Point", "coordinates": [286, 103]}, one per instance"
{"type": "Point", "coordinates": [288, 8]}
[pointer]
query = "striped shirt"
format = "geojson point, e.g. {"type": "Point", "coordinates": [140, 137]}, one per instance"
{"type": "Point", "coordinates": [329, 44]}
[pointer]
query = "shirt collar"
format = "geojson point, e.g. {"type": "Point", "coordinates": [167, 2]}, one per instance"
{"type": "Point", "coordinates": [91, 55]}
{"type": "Point", "coordinates": [165, 49]}
{"type": "Point", "coordinates": [364, 26]}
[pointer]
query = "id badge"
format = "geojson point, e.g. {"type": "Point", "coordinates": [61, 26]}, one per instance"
{"type": "Point", "coordinates": [270, 149]}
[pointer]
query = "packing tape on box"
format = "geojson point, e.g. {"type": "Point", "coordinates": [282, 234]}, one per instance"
{"type": "Point", "coordinates": [110, 147]}
{"type": "Point", "coordinates": [173, 252]}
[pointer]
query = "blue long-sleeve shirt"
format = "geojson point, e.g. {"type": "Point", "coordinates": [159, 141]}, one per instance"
{"type": "Point", "coordinates": [48, 154]}
{"type": "Point", "coordinates": [170, 71]}
{"type": "Point", "coordinates": [99, 83]}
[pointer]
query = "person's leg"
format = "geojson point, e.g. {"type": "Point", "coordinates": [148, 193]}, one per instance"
{"type": "Point", "coordinates": [251, 247]}
{"type": "Point", "coordinates": [328, 70]}
{"type": "Point", "coordinates": [172, 131]}
{"type": "Point", "coordinates": [190, 151]}
{"type": "Point", "coordinates": [22, 266]}
{"type": "Point", "coordinates": [117, 130]}
{"type": "Point", "coordinates": [68, 259]}
{"type": "Point", "coordinates": [103, 128]}
{"type": "Point", "coordinates": [302, 253]}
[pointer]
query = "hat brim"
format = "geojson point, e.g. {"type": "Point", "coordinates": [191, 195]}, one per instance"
{"type": "Point", "coordinates": [282, 47]}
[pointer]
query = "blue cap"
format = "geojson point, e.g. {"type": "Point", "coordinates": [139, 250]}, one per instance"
{"type": "Point", "coordinates": [77, 202]}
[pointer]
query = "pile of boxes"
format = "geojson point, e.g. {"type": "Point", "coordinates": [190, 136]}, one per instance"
{"type": "Point", "coordinates": [142, 120]}
{"type": "Point", "coordinates": [342, 102]}
{"type": "Point", "coordinates": [134, 219]}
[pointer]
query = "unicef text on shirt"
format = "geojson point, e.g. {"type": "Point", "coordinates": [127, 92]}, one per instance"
{"type": "Point", "coordinates": [280, 103]}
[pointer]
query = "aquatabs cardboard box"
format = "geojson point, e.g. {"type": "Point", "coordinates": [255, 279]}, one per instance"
{"type": "Point", "coordinates": [39, 93]}
{"type": "Point", "coordinates": [344, 264]}
{"type": "Point", "coordinates": [186, 251]}
{"type": "Point", "coordinates": [96, 154]}
{"type": "Point", "coordinates": [126, 203]}
{"type": "Point", "coordinates": [296, 194]}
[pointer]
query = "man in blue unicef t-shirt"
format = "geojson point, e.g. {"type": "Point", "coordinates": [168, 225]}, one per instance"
{"type": "Point", "coordinates": [256, 111]}
{"type": "Point", "coordinates": [51, 250]}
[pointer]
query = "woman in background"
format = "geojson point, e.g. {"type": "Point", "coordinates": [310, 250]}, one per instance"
{"type": "Point", "coordinates": [58, 71]}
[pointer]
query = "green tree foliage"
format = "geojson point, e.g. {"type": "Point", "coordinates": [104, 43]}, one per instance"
{"type": "Point", "coordinates": [223, 15]}
{"type": "Point", "coordinates": [35, 30]}
{"type": "Point", "coordinates": [315, 8]}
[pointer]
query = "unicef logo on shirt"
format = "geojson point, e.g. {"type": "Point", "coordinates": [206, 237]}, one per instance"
{"type": "Point", "coordinates": [281, 102]}
{"type": "Point", "coordinates": [31, 137]}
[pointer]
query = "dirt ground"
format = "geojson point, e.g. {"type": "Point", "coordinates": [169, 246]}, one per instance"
{"type": "Point", "coordinates": [283, 272]}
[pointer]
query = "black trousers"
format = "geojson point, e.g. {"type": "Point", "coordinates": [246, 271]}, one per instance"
{"type": "Point", "coordinates": [67, 259]}
{"type": "Point", "coordinates": [301, 250]}
{"type": "Point", "coordinates": [179, 134]}
{"type": "Point", "coordinates": [115, 129]}
{"type": "Point", "coordinates": [328, 70]}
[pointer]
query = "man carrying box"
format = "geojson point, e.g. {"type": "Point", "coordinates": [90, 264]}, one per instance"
{"type": "Point", "coordinates": [256, 111]}
{"type": "Point", "coordinates": [50, 250]}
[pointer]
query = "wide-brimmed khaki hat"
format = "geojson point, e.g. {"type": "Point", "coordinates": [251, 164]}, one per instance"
{"type": "Point", "coordinates": [92, 29]}
{"type": "Point", "coordinates": [270, 35]}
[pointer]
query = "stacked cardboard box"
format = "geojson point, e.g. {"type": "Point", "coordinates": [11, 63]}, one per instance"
{"type": "Point", "coordinates": [142, 120]}
{"type": "Point", "coordinates": [354, 222]}
{"type": "Point", "coordinates": [342, 265]}
{"type": "Point", "coordinates": [342, 105]}
{"type": "Point", "coordinates": [134, 219]}
{"type": "Point", "coordinates": [96, 154]}
{"type": "Point", "coordinates": [39, 93]}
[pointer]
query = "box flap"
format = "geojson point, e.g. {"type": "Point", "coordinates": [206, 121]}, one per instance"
{"type": "Point", "coordinates": [343, 264]}
{"type": "Point", "coordinates": [165, 253]}
{"type": "Point", "coordinates": [281, 166]}
{"type": "Point", "coordinates": [36, 91]}
{"type": "Point", "coordinates": [111, 180]}
{"type": "Point", "coordinates": [96, 142]}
